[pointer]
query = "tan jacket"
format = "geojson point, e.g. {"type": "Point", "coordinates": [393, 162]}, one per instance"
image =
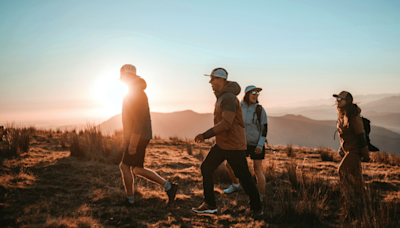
{"type": "Point", "coordinates": [348, 133]}
{"type": "Point", "coordinates": [228, 119]}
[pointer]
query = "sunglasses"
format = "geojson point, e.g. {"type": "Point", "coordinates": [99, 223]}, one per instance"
{"type": "Point", "coordinates": [340, 99]}
{"type": "Point", "coordinates": [255, 92]}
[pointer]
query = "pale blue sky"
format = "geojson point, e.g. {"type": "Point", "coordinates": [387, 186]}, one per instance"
{"type": "Point", "coordinates": [53, 53]}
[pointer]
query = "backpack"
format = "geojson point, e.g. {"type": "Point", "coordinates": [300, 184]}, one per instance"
{"type": "Point", "coordinates": [258, 113]}
{"type": "Point", "coordinates": [367, 130]}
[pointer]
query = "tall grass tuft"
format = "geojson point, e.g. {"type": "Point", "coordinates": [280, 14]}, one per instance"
{"type": "Point", "coordinates": [91, 144]}
{"type": "Point", "coordinates": [269, 171]}
{"type": "Point", "coordinates": [189, 147]}
{"type": "Point", "coordinates": [326, 154]}
{"type": "Point", "coordinates": [290, 151]}
{"type": "Point", "coordinates": [291, 170]}
{"type": "Point", "coordinates": [16, 141]}
{"type": "Point", "coordinates": [385, 158]}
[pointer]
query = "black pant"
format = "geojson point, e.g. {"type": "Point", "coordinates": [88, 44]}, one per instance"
{"type": "Point", "coordinates": [237, 160]}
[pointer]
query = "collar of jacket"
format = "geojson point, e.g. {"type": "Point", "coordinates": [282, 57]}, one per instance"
{"type": "Point", "coordinates": [231, 87]}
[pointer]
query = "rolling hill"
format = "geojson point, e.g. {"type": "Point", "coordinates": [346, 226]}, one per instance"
{"type": "Point", "coordinates": [288, 129]}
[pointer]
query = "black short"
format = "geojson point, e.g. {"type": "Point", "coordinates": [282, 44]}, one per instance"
{"type": "Point", "coordinates": [251, 151]}
{"type": "Point", "coordinates": [137, 159]}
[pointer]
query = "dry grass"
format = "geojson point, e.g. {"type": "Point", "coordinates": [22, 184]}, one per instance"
{"type": "Point", "coordinates": [326, 154]}
{"type": "Point", "coordinates": [48, 187]}
{"type": "Point", "coordinates": [385, 158]}
{"type": "Point", "coordinates": [290, 152]}
{"type": "Point", "coordinates": [15, 141]}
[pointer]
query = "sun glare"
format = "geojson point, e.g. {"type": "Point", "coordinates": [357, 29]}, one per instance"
{"type": "Point", "coordinates": [109, 92]}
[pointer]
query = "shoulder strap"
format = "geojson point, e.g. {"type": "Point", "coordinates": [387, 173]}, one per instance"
{"type": "Point", "coordinates": [258, 112]}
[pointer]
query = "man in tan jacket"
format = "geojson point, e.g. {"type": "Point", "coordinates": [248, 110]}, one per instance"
{"type": "Point", "coordinates": [230, 144]}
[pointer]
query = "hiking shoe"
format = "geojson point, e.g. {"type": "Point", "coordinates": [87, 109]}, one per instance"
{"type": "Point", "coordinates": [172, 192]}
{"type": "Point", "coordinates": [205, 208]}
{"type": "Point", "coordinates": [232, 189]}
{"type": "Point", "coordinates": [126, 203]}
{"type": "Point", "coordinates": [254, 214]}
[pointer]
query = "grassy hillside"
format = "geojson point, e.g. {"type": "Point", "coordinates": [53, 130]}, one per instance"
{"type": "Point", "coordinates": [283, 130]}
{"type": "Point", "coordinates": [73, 180]}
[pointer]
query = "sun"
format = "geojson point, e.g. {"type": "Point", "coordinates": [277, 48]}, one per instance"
{"type": "Point", "coordinates": [109, 92]}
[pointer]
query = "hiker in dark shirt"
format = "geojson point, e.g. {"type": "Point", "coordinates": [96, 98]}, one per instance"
{"type": "Point", "coordinates": [137, 134]}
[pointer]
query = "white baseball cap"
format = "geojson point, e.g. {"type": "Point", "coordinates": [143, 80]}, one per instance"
{"type": "Point", "coordinates": [128, 68]}
{"type": "Point", "coordinates": [219, 73]}
{"type": "Point", "coordinates": [251, 87]}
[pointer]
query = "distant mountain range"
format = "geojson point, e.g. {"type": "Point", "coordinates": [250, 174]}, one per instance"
{"type": "Point", "coordinates": [384, 112]}
{"type": "Point", "coordinates": [288, 129]}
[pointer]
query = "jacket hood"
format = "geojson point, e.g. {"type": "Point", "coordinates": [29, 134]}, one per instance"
{"type": "Point", "coordinates": [138, 83]}
{"type": "Point", "coordinates": [231, 87]}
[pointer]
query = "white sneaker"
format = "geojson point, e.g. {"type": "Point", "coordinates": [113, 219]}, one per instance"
{"type": "Point", "coordinates": [232, 189]}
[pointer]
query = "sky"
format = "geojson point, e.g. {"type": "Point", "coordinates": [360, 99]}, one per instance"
{"type": "Point", "coordinates": [60, 60]}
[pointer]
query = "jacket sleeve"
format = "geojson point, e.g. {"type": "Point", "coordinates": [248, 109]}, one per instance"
{"type": "Point", "coordinates": [229, 108]}
{"type": "Point", "coordinates": [264, 129]}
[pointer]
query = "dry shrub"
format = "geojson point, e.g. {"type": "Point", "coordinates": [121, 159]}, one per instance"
{"type": "Point", "coordinates": [157, 137]}
{"type": "Point", "coordinates": [189, 147]}
{"type": "Point", "coordinates": [269, 171]}
{"type": "Point", "coordinates": [16, 141]}
{"type": "Point", "coordinates": [291, 170]}
{"type": "Point", "coordinates": [64, 141]}
{"type": "Point", "coordinates": [326, 154]}
{"type": "Point", "coordinates": [385, 158]}
{"type": "Point", "coordinates": [93, 145]}
{"type": "Point", "coordinates": [201, 155]}
{"type": "Point", "coordinates": [290, 151]}
{"type": "Point", "coordinates": [366, 208]}
{"type": "Point", "coordinates": [308, 198]}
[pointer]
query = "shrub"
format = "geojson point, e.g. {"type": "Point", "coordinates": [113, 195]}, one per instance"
{"type": "Point", "coordinates": [326, 154]}
{"type": "Point", "coordinates": [269, 171]}
{"type": "Point", "coordinates": [189, 147]}
{"type": "Point", "coordinates": [291, 169]}
{"type": "Point", "coordinates": [385, 158]}
{"type": "Point", "coordinates": [91, 144]}
{"type": "Point", "coordinates": [16, 141]}
{"type": "Point", "coordinates": [290, 151]}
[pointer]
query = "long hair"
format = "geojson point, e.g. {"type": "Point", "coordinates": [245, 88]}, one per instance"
{"type": "Point", "coordinates": [350, 110]}
{"type": "Point", "coordinates": [246, 98]}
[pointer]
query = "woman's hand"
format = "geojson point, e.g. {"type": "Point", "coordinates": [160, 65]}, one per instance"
{"type": "Point", "coordinates": [132, 150]}
{"type": "Point", "coordinates": [258, 151]}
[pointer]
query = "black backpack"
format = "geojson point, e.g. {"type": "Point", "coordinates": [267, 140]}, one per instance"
{"type": "Point", "coordinates": [367, 129]}
{"type": "Point", "coordinates": [258, 113]}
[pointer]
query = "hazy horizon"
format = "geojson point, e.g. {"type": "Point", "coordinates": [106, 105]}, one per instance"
{"type": "Point", "coordinates": [60, 61]}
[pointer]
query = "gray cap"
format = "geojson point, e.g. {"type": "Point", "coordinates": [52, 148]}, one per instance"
{"type": "Point", "coordinates": [219, 73]}
{"type": "Point", "coordinates": [251, 87]}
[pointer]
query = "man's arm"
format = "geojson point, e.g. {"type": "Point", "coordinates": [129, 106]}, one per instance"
{"type": "Point", "coordinates": [229, 108]}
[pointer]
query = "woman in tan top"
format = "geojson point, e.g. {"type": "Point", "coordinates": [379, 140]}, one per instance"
{"type": "Point", "coordinates": [352, 140]}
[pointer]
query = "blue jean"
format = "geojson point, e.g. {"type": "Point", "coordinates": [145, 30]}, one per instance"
{"type": "Point", "coordinates": [237, 160]}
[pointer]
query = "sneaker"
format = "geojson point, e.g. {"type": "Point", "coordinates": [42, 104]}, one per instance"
{"type": "Point", "coordinates": [254, 214]}
{"type": "Point", "coordinates": [126, 203]}
{"type": "Point", "coordinates": [205, 208]}
{"type": "Point", "coordinates": [172, 192]}
{"type": "Point", "coordinates": [232, 189]}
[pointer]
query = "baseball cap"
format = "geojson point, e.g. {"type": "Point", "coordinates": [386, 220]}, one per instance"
{"type": "Point", "coordinates": [251, 87]}
{"type": "Point", "coordinates": [344, 95]}
{"type": "Point", "coordinates": [128, 68]}
{"type": "Point", "coordinates": [219, 73]}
